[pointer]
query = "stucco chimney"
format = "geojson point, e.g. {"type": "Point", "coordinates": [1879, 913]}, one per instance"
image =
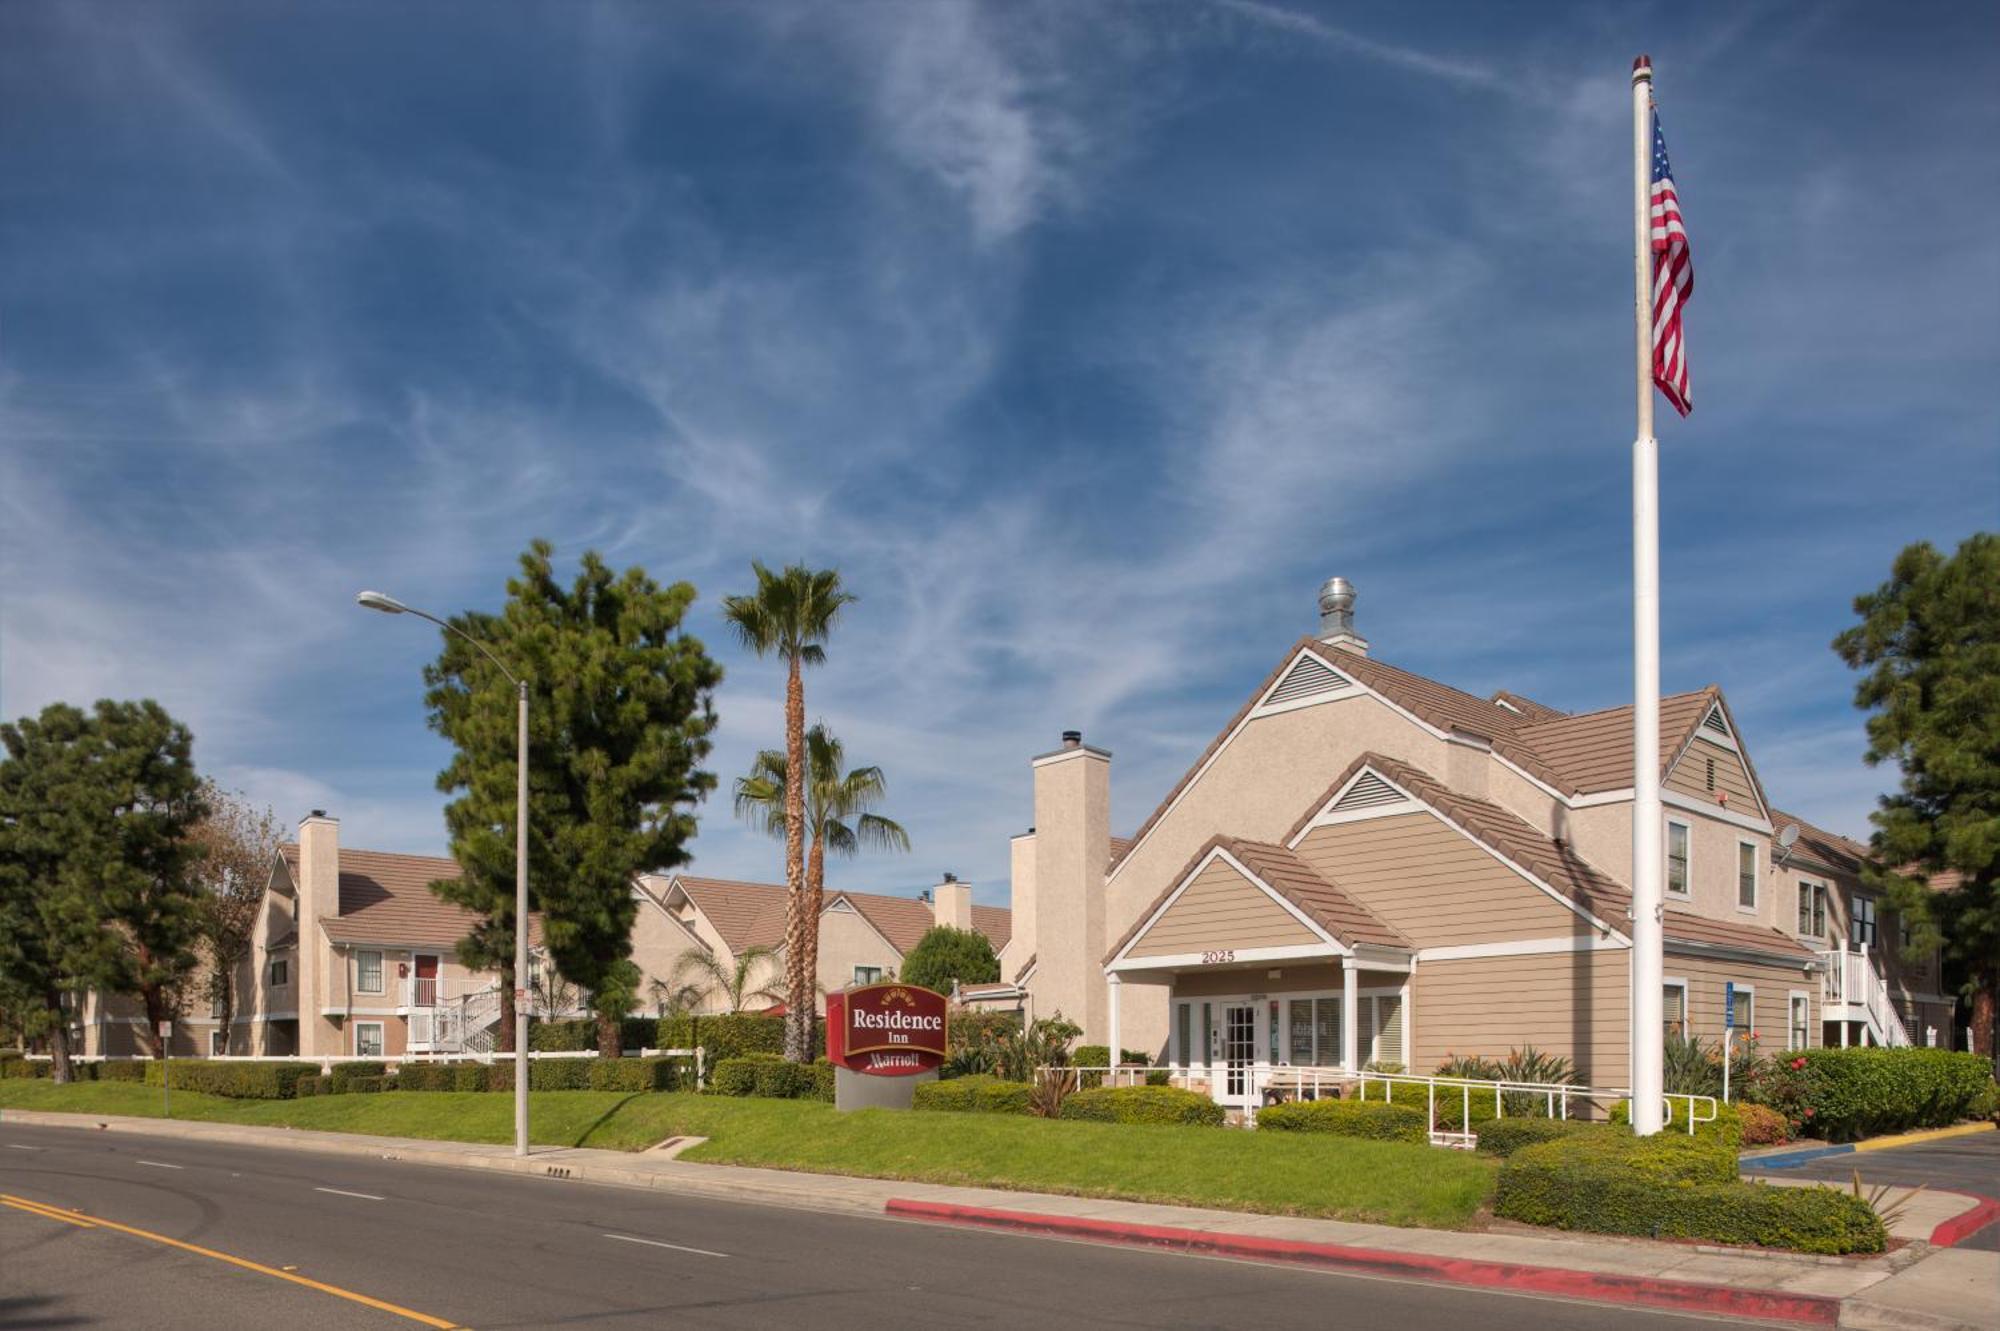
{"type": "Point", "coordinates": [1072, 848]}
{"type": "Point", "coordinates": [951, 902]}
{"type": "Point", "coordinates": [319, 899]}
{"type": "Point", "coordinates": [1336, 617]}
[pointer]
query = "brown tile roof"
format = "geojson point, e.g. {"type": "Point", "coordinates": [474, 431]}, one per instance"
{"type": "Point", "coordinates": [1592, 751]}
{"type": "Point", "coordinates": [386, 898]}
{"type": "Point", "coordinates": [1528, 707]}
{"type": "Point", "coordinates": [1828, 849]}
{"type": "Point", "coordinates": [1293, 879]}
{"type": "Point", "coordinates": [753, 914]}
{"type": "Point", "coordinates": [1560, 866]}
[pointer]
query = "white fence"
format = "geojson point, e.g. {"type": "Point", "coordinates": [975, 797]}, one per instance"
{"type": "Point", "coordinates": [326, 1062]}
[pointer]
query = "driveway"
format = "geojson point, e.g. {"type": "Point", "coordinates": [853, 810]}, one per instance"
{"type": "Point", "coordinates": [1962, 1164]}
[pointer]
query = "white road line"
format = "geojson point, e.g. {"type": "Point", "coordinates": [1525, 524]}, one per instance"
{"type": "Point", "coordinates": [158, 1164]}
{"type": "Point", "coordinates": [16, 1146]}
{"type": "Point", "coordinates": [342, 1192]}
{"type": "Point", "coordinates": [655, 1243]}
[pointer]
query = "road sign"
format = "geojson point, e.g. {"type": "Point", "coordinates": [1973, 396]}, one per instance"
{"type": "Point", "coordinates": [166, 1030]}
{"type": "Point", "coordinates": [1729, 1006]}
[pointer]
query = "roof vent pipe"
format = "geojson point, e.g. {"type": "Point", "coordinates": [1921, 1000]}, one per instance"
{"type": "Point", "coordinates": [1072, 739]}
{"type": "Point", "coordinates": [1336, 616]}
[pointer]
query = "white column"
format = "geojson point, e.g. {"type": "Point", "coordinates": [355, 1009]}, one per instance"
{"type": "Point", "coordinates": [1113, 983]}
{"type": "Point", "coordinates": [1648, 963]}
{"type": "Point", "coordinates": [1350, 1018]}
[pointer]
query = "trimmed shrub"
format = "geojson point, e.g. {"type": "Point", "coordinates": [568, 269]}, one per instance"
{"type": "Point", "coordinates": [343, 1074]}
{"type": "Point", "coordinates": [1452, 1102]}
{"type": "Point", "coordinates": [979, 1094]}
{"type": "Point", "coordinates": [1159, 1077]}
{"type": "Point", "coordinates": [1504, 1136]}
{"type": "Point", "coordinates": [964, 1027]}
{"type": "Point", "coordinates": [823, 1080]}
{"type": "Point", "coordinates": [1844, 1094]}
{"type": "Point", "coordinates": [1725, 1129]}
{"type": "Point", "coordinates": [17, 1067]}
{"type": "Point", "coordinates": [780, 1080]}
{"type": "Point", "coordinates": [730, 1035]}
{"type": "Point", "coordinates": [313, 1085]}
{"type": "Point", "coordinates": [1142, 1104]}
{"type": "Point", "coordinates": [237, 1081]}
{"type": "Point", "coordinates": [1348, 1118]}
{"type": "Point", "coordinates": [634, 1074]}
{"type": "Point", "coordinates": [554, 1074]}
{"type": "Point", "coordinates": [368, 1085]}
{"type": "Point", "coordinates": [425, 1077]}
{"type": "Point", "coordinates": [121, 1071]}
{"type": "Point", "coordinates": [1671, 1187]}
{"type": "Point", "coordinates": [738, 1076]}
{"type": "Point", "coordinates": [1099, 1056]}
{"type": "Point", "coordinates": [1761, 1126]}
{"type": "Point", "coordinates": [580, 1035]}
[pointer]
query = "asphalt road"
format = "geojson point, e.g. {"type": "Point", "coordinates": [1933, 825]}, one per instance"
{"type": "Point", "coordinates": [1965, 1164]}
{"type": "Point", "coordinates": [447, 1248]}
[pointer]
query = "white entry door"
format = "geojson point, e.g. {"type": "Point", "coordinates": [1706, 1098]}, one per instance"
{"type": "Point", "coordinates": [1239, 1054]}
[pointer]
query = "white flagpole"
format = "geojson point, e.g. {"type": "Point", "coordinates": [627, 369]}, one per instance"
{"type": "Point", "coordinates": [1648, 862]}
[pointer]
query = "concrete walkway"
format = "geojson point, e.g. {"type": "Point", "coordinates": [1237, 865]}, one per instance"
{"type": "Point", "coordinates": [1915, 1288]}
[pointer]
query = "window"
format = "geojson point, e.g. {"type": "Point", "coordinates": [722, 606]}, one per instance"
{"type": "Point", "coordinates": [1313, 1026]}
{"type": "Point", "coordinates": [215, 1005]}
{"type": "Point", "coordinates": [1389, 1029]}
{"type": "Point", "coordinates": [1677, 858]}
{"type": "Point", "coordinates": [281, 973]}
{"type": "Point", "coordinates": [1864, 919]}
{"type": "Point", "coordinates": [867, 974]}
{"type": "Point", "coordinates": [1184, 1031]}
{"type": "Point", "coordinates": [1674, 1009]}
{"type": "Point", "coordinates": [1812, 910]}
{"type": "Point", "coordinates": [368, 1035]}
{"type": "Point", "coordinates": [1799, 1030]}
{"type": "Point", "coordinates": [1746, 875]}
{"type": "Point", "coordinates": [1746, 1010]}
{"type": "Point", "coordinates": [368, 973]}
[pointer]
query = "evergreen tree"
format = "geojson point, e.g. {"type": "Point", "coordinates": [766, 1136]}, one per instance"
{"type": "Point", "coordinates": [620, 714]}
{"type": "Point", "coordinates": [1929, 639]}
{"type": "Point", "coordinates": [97, 890]}
{"type": "Point", "coordinates": [945, 956]}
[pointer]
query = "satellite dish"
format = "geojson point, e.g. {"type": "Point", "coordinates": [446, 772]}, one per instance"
{"type": "Point", "coordinates": [1787, 839]}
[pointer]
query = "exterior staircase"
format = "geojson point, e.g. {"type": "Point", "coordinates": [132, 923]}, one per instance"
{"type": "Point", "coordinates": [1854, 991]}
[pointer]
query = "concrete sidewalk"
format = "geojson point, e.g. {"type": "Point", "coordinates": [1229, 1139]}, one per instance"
{"type": "Point", "coordinates": [1915, 1288]}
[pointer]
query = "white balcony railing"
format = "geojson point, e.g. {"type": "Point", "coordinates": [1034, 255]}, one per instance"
{"type": "Point", "coordinates": [1854, 985]}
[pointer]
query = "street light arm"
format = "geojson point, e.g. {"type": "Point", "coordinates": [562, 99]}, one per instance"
{"type": "Point", "coordinates": [449, 627]}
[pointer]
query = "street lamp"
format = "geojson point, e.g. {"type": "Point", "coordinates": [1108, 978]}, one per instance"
{"type": "Point", "coordinates": [389, 605]}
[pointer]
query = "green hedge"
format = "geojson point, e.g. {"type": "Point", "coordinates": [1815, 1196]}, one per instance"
{"type": "Point", "coordinates": [773, 1077]}
{"type": "Point", "coordinates": [1099, 1056]}
{"type": "Point", "coordinates": [580, 1035]}
{"type": "Point", "coordinates": [344, 1075]}
{"type": "Point", "coordinates": [495, 1076]}
{"type": "Point", "coordinates": [1348, 1118]}
{"type": "Point", "coordinates": [1142, 1104]}
{"type": "Point", "coordinates": [978, 1094]}
{"type": "Point", "coordinates": [1725, 1129]}
{"type": "Point", "coordinates": [1845, 1094]}
{"type": "Point", "coordinates": [636, 1074]}
{"type": "Point", "coordinates": [313, 1085]}
{"type": "Point", "coordinates": [369, 1085]}
{"type": "Point", "coordinates": [555, 1074]}
{"type": "Point", "coordinates": [1504, 1136]}
{"type": "Point", "coordinates": [1674, 1187]}
{"type": "Point", "coordinates": [730, 1035]}
{"type": "Point", "coordinates": [964, 1027]}
{"type": "Point", "coordinates": [237, 1081]}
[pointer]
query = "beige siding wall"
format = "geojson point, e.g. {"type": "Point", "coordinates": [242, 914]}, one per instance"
{"type": "Point", "coordinates": [1707, 977]}
{"type": "Point", "coordinates": [1574, 1004]}
{"type": "Point", "coordinates": [846, 940]}
{"type": "Point", "coordinates": [1690, 777]}
{"type": "Point", "coordinates": [1222, 909]}
{"type": "Point", "coordinates": [1433, 884]}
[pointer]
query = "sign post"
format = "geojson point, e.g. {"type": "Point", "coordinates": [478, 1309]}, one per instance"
{"type": "Point", "coordinates": [882, 1040]}
{"type": "Point", "coordinates": [166, 1069]}
{"type": "Point", "coordinates": [1728, 1033]}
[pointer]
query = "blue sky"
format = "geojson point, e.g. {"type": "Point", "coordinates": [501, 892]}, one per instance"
{"type": "Point", "coordinates": [1086, 339]}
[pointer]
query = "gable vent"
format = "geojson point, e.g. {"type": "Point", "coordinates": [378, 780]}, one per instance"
{"type": "Point", "coordinates": [1368, 791]}
{"type": "Point", "coordinates": [1309, 677]}
{"type": "Point", "coordinates": [1715, 722]}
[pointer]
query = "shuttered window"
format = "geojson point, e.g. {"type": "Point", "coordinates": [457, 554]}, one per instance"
{"type": "Point", "coordinates": [1389, 1029]}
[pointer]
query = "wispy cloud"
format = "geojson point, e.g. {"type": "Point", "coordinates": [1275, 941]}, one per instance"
{"type": "Point", "coordinates": [1410, 59]}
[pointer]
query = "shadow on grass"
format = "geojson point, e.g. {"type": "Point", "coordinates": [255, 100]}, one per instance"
{"type": "Point", "coordinates": [583, 1137]}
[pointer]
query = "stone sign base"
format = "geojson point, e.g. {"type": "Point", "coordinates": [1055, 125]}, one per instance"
{"type": "Point", "coordinates": [858, 1090]}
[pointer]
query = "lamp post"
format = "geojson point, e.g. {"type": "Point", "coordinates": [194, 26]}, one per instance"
{"type": "Point", "coordinates": [389, 605]}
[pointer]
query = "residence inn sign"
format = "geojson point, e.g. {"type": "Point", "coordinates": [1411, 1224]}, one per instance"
{"type": "Point", "coordinates": [886, 1030]}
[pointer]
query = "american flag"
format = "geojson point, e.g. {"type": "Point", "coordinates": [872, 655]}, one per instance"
{"type": "Point", "coordinates": [1673, 280]}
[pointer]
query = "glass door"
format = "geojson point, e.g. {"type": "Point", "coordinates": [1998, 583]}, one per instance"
{"type": "Point", "coordinates": [1239, 1051]}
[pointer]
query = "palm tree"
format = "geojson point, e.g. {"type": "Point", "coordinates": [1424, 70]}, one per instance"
{"type": "Point", "coordinates": [791, 613]}
{"type": "Point", "coordinates": [700, 972]}
{"type": "Point", "coordinates": [838, 815]}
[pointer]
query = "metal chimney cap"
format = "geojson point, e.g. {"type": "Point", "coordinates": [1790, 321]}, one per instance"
{"type": "Point", "coordinates": [1071, 738]}
{"type": "Point", "coordinates": [1336, 594]}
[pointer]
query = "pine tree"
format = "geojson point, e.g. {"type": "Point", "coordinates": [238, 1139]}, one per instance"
{"type": "Point", "coordinates": [620, 715]}
{"type": "Point", "coordinates": [97, 890]}
{"type": "Point", "coordinates": [1929, 639]}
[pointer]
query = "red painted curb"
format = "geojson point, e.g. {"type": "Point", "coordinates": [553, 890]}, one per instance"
{"type": "Point", "coordinates": [1771, 1305]}
{"type": "Point", "coordinates": [1963, 1226]}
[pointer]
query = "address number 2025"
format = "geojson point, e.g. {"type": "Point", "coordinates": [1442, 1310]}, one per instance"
{"type": "Point", "coordinates": [1214, 958]}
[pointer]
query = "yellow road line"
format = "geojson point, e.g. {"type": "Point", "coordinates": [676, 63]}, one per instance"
{"type": "Point", "coordinates": [1930, 1135]}
{"type": "Point", "coordinates": [41, 1208]}
{"type": "Point", "coordinates": [47, 1213]}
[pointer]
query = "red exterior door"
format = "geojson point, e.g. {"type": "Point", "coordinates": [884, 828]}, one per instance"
{"type": "Point", "coordinates": [427, 977]}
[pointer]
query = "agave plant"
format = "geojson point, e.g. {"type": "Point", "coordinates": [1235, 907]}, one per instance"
{"type": "Point", "coordinates": [1529, 1064]}
{"type": "Point", "coordinates": [1877, 1198]}
{"type": "Point", "coordinates": [1471, 1067]}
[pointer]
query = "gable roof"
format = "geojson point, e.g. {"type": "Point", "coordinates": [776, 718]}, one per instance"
{"type": "Point", "coordinates": [1284, 873]}
{"type": "Point", "coordinates": [753, 914]}
{"type": "Point", "coordinates": [1592, 751]}
{"type": "Point", "coordinates": [1556, 863]}
{"type": "Point", "coordinates": [386, 898]}
{"type": "Point", "coordinates": [1829, 850]}
{"type": "Point", "coordinates": [1527, 707]}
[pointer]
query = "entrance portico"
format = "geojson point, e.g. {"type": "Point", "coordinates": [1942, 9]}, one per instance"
{"type": "Point", "coordinates": [1278, 983]}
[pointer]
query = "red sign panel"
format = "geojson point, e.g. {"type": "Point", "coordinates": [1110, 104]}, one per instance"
{"type": "Point", "coordinates": [886, 1030]}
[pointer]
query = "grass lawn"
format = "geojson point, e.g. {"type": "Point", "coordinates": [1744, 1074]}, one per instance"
{"type": "Point", "coordinates": [1284, 1173]}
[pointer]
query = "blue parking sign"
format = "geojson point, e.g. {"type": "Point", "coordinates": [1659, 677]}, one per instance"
{"type": "Point", "coordinates": [1729, 1006]}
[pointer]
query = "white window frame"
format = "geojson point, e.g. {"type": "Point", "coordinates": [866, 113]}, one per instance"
{"type": "Point", "coordinates": [381, 975]}
{"type": "Point", "coordinates": [1743, 1029]}
{"type": "Point", "coordinates": [874, 978]}
{"type": "Point", "coordinates": [278, 972]}
{"type": "Point", "coordinates": [1687, 860]}
{"type": "Point", "coordinates": [381, 1039]}
{"type": "Point", "coordinates": [1756, 876]}
{"type": "Point", "coordinates": [215, 1038]}
{"type": "Point", "coordinates": [1335, 996]}
{"type": "Point", "coordinates": [1804, 1027]}
{"type": "Point", "coordinates": [1680, 983]}
{"type": "Point", "coordinates": [1854, 904]}
{"type": "Point", "coordinates": [1817, 911]}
